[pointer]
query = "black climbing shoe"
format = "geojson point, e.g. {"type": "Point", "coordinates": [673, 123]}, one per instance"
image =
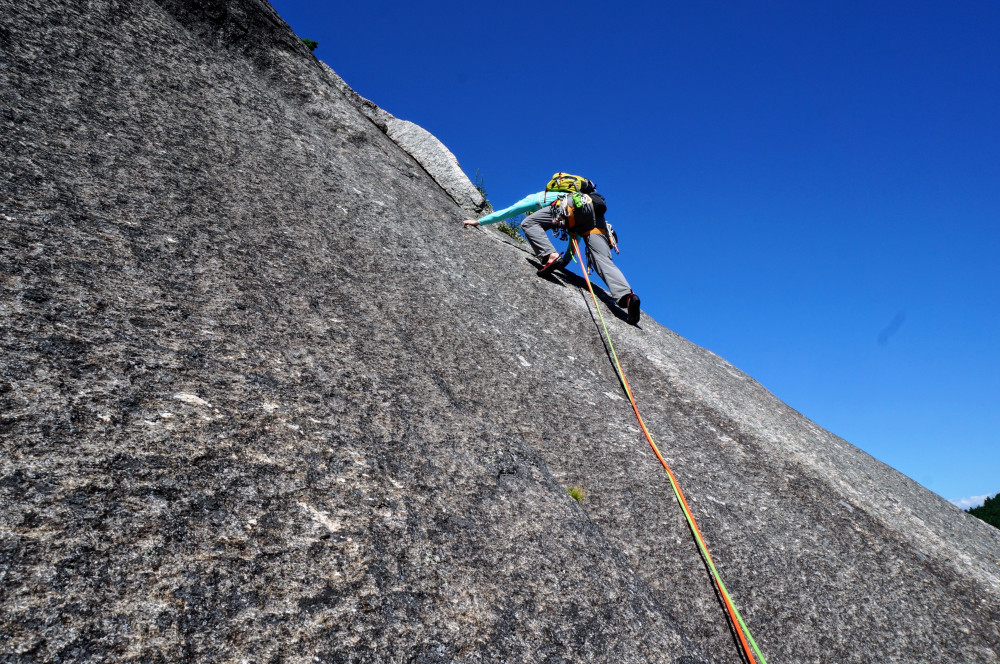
{"type": "Point", "coordinates": [630, 303]}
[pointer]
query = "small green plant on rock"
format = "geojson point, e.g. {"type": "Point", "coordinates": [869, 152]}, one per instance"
{"type": "Point", "coordinates": [480, 185]}
{"type": "Point", "coordinates": [577, 493]}
{"type": "Point", "coordinates": [310, 43]}
{"type": "Point", "coordinates": [510, 229]}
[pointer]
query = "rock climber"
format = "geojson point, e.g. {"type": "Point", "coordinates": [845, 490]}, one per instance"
{"type": "Point", "coordinates": [571, 202]}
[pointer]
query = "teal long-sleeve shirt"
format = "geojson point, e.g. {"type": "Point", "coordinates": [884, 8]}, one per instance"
{"type": "Point", "coordinates": [530, 203]}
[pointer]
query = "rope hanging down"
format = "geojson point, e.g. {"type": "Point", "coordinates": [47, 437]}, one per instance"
{"type": "Point", "coordinates": [734, 615]}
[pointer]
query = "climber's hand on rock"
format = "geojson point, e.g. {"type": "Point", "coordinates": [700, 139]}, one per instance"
{"type": "Point", "coordinates": [470, 222]}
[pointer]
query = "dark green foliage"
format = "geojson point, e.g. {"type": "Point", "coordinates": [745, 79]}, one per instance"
{"type": "Point", "coordinates": [511, 227]}
{"type": "Point", "coordinates": [480, 184]}
{"type": "Point", "coordinates": [310, 43]}
{"type": "Point", "coordinates": [988, 511]}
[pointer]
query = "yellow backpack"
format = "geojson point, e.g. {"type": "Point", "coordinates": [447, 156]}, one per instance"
{"type": "Point", "coordinates": [570, 183]}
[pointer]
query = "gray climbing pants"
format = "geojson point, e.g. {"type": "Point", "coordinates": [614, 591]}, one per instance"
{"type": "Point", "coordinates": [535, 226]}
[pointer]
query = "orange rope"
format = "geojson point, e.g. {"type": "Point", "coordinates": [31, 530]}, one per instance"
{"type": "Point", "coordinates": [734, 616]}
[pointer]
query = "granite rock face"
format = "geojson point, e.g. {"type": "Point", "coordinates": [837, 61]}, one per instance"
{"type": "Point", "coordinates": [439, 162]}
{"type": "Point", "coordinates": [262, 399]}
{"type": "Point", "coordinates": [432, 154]}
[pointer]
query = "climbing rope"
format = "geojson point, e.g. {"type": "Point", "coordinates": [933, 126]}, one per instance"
{"type": "Point", "coordinates": [734, 615]}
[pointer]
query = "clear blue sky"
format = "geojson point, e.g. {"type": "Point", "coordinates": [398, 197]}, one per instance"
{"type": "Point", "coordinates": [810, 190]}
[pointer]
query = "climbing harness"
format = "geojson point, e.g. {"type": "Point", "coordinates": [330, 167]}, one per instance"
{"type": "Point", "coordinates": [734, 615]}
{"type": "Point", "coordinates": [565, 235]}
{"type": "Point", "coordinates": [612, 237]}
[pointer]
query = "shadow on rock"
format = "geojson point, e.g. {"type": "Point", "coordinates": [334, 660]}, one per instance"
{"type": "Point", "coordinates": [564, 277]}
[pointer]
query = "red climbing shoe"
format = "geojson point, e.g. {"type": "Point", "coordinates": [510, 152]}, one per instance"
{"type": "Point", "coordinates": [550, 265]}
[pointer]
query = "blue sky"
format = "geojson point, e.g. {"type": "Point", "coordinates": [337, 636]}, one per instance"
{"type": "Point", "coordinates": [810, 190]}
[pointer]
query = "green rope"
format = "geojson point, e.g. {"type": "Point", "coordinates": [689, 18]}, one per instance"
{"type": "Point", "coordinates": [673, 481]}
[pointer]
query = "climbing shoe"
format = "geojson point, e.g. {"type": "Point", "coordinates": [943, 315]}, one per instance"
{"type": "Point", "coordinates": [630, 303]}
{"type": "Point", "coordinates": [554, 263]}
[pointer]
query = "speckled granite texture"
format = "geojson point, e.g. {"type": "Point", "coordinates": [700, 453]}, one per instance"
{"type": "Point", "coordinates": [263, 400]}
